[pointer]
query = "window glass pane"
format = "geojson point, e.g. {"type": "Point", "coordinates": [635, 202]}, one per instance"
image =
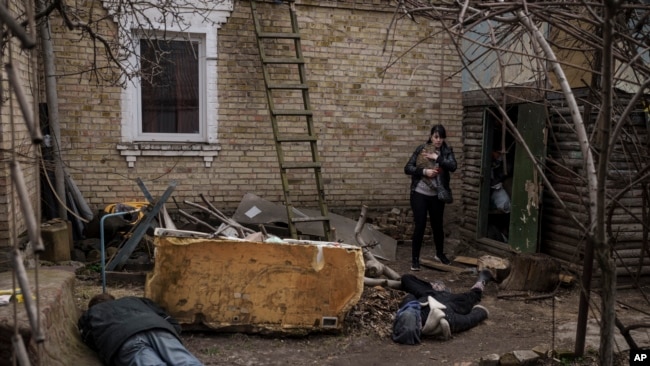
{"type": "Point", "coordinates": [169, 86]}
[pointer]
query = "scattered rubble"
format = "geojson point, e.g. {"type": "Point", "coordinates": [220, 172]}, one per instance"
{"type": "Point", "coordinates": [375, 312]}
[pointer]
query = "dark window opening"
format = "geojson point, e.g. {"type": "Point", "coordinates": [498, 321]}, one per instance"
{"type": "Point", "coordinates": [170, 86]}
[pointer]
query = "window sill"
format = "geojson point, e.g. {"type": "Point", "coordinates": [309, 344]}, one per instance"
{"type": "Point", "coordinates": [131, 152]}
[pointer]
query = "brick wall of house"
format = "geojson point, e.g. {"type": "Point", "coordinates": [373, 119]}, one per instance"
{"type": "Point", "coordinates": [368, 122]}
{"type": "Point", "coordinates": [15, 145]}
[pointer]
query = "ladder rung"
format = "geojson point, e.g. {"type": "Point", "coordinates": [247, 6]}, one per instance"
{"type": "Point", "coordinates": [310, 219]}
{"type": "Point", "coordinates": [291, 112]}
{"type": "Point", "coordinates": [279, 35]}
{"type": "Point", "coordinates": [292, 108]}
{"type": "Point", "coordinates": [288, 86]}
{"type": "Point", "coordinates": [280, 60]}
{"type": "Point", "coordinates": [311, 164]}
{"type": "Point", "coordinates": [301, 138]}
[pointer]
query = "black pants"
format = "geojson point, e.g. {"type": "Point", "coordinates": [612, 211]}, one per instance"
{"type": "Point", "coordinates": [460, 311]}
{"type": "Point", "coordinates": [423, 205]}
{"type": "Point", "coordinates": [461, 303]}
{"type": "Point", "coordinates": [462, 322]}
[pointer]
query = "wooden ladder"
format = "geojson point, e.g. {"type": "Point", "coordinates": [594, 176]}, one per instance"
{"type": "Point", "coordinates": [287, 94]}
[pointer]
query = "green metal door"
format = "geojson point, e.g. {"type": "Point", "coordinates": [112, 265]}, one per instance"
{"type": "Point", "coordinates": [526, 182]}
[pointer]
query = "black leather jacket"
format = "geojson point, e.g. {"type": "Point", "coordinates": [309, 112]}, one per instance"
{"type": "Point", "coordinates": [106, 326]}
{"type": "Point", "coordinates": [446, 160]}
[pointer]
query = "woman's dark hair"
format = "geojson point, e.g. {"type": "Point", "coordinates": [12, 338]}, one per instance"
{"type": "Point", "coordinates": [98, 299]}
{"type": "Point", "coordinates": [440, 129]}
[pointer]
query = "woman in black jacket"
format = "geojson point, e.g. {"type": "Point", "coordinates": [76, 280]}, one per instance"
{"type": "Point", "coordinates": [430, 167]}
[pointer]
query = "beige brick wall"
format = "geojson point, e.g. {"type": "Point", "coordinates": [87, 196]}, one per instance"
{"type": "Point", "coordinates": [368, 122]}
{"type": "Point", "coordinates": [15, 145]}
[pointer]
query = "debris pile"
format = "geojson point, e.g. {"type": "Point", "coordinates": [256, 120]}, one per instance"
{"type": "Point", "coordinates": [375, 312]}
{"type": "Point", "coordinates": [396, 223]}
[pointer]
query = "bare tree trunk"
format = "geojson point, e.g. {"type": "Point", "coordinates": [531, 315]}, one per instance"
{"type": "Point", "coordinates": [603, 251]}
{"type": "Point", "coordinates": [578, 123]}
{"type": "Point", "coordinates": [590, 169]}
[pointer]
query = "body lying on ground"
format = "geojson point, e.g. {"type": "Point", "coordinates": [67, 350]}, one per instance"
{"type": "Point", "coordinates": [430, 309]}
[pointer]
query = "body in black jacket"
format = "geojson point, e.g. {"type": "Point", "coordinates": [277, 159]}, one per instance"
{"type": "Point", "coordinates": [423, 198]}
{"type": "Point", "coordinates": [108, 324]}
{"type": "Point", "coordinates": [433, 310]}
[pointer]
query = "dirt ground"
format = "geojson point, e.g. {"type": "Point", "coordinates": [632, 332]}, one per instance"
{"type": "Point", "coordinates": [513, 324]}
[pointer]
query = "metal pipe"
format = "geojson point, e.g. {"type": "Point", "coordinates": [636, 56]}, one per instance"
{"type": "Point", "coordinates": [28, 113]}
{"type": "Point", "coordinates": [30, 307]}
{"type": "Point", "coordinates": [17, 29]}
{"type": "Point", "coordinates": [101, 236]}
{"type": "Point", "coordinates": [33, 230]}
{"type": "Point", "coordinates": [19, 350]}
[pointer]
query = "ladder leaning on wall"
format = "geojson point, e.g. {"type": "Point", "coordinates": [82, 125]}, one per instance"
{"type": "Point", "coordinates": [289, 107]}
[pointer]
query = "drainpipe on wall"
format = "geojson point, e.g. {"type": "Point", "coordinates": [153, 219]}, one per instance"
{"type": "Point", "coordinates": [52, 100]}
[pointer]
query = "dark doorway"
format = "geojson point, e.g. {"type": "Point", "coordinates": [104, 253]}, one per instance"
{"type": "Point", "coordinates": [510, 191]}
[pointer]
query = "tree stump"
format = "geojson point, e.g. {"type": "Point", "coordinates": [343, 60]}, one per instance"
{"type": "Point", "coordinates": [499, 267]}
{"type": "Point", "coordinates": [532, 272]}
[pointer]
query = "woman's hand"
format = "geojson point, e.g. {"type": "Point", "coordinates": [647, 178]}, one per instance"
{"type": "Point", "coordinates": [431, 172]}
{"type": "Point", "coordinates": [431, 156]}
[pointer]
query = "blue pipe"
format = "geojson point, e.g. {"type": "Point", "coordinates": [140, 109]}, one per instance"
{"type": "Point", "coordinates": [101, 236]}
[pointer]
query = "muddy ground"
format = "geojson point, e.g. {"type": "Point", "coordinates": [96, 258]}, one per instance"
{"type": "Point", "coordinates": [513, 324]}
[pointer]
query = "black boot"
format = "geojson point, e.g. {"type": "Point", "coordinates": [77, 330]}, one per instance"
{"type": "Point", "coordinates": [415, 264]}
{"type": "Point", "coordinates": [485, 276]}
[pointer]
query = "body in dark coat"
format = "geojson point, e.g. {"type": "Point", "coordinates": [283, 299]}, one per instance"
{"type": "Point", "coordinates": [106, 326]}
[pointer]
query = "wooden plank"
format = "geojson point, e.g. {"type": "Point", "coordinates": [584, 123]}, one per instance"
{"type": "Point", "coordinates": [439, 266]}
{"type": "Point", "coordinates": [466, 260]}
{"type": "Point", "coordinates": [566, 279]}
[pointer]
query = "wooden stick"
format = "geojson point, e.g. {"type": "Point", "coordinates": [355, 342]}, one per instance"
{"type": "Point", "coordinates": [526, 296]}
{"type": "Point", "coordinates": [226, 219]}
{"type": "Point", "coordinates": [373, 266]}
{"type": "Point", "coordinates": [240, 229]}
{"type": "Point", "coordinates": [194, 220]}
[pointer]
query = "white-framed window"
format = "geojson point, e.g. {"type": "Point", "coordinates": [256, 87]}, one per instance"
{"type": "Point", "coordinates": [170, 98]}
{"type": "Point", "coordinates": [171, 107]}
